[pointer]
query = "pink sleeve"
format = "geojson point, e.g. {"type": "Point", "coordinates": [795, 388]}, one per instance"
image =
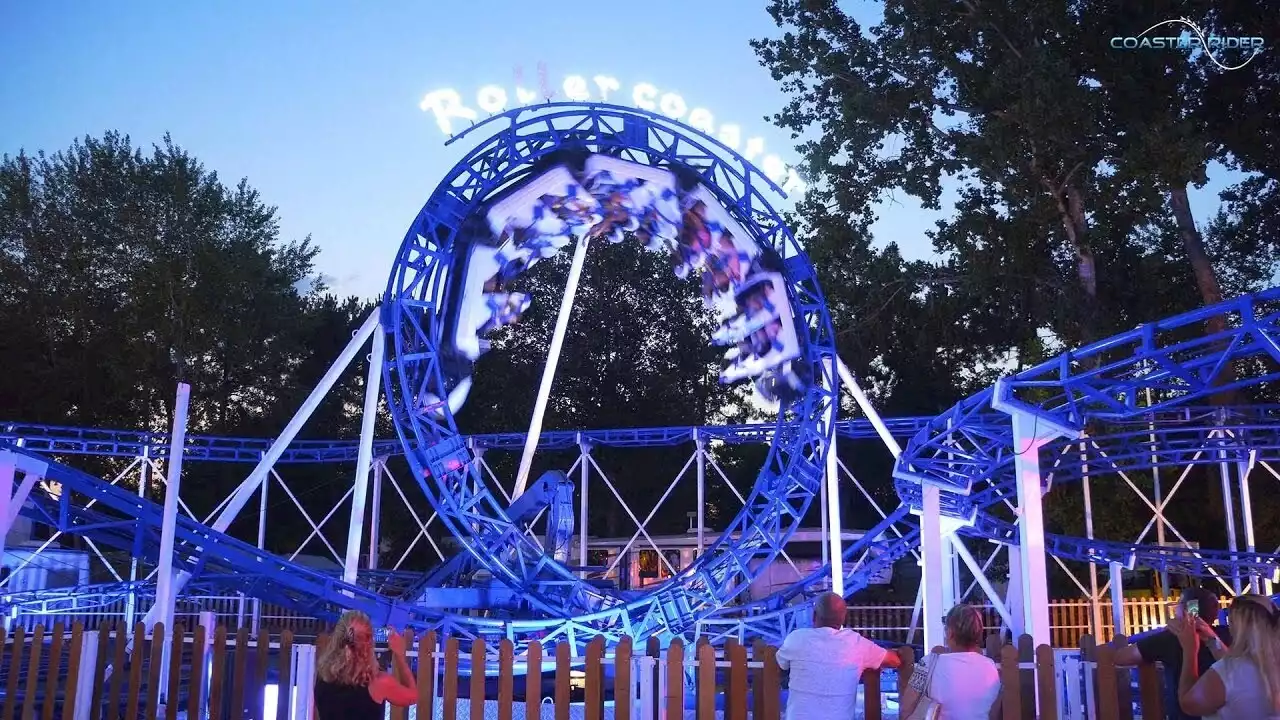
{"type": "Point", "coordinates": [872, 654]}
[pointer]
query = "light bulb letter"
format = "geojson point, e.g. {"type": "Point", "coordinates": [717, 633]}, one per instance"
{"type": "Point", "coordinates": [607, 85]}
{"type": "Point", "coordinates": [774, 168]}
{"type": "Point", "coordinates": [643, 96]}
{"type": "Point", "coordinates": [525, 96]}
{"type": "Point", "coordinates": [492, 99]}
{"type": "Point", "coordinates": [672, 105]}
{"type": "Point", "coordinates": [731, 135]}
{"type": "Point", "coordinates": [576, 88]}
{"type": "Point", "coordinates": [701, 119]}
{"type": "Point", "coordinates": [755, 146]}
{"type": "Point", "coordinates": [446, 104]}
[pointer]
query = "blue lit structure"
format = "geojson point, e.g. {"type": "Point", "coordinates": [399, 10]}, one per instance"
{"type": "Point", "coordinates": [414, 316]}
{"type": "Point", "coordinates": [970, 456]}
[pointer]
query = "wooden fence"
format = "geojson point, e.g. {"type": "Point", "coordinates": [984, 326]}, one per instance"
{"type": "Point", "coordinates": [84, 675]}
{"type": "Point", "coordinates": [1070, 620]}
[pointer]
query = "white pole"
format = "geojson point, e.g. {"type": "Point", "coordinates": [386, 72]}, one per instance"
{"type": "Point", "coordinates": [931, 576]}
{"type": "Point", "coordinates": [375, 532]}
{"type": "Point", "coordinates": [364, 458]}
{"type": "Point", "coordinates": [1117, 599]}
{"type": "Point", "coordinates": [262, 545]}
{"type": "Point", "coordinates": [702, 490]}
{"type": "Point", "coordinates": [877, 422]}
{"type": "Point", "coordinates": [832, 477]}
{"type": "Point", "coordinates": [1035, 587]}
{"type": "Point", "coordinates": [165, 590]}
{"type": "Point", "coordinates": [131, 603]}
{"type": "Point", "coordinates": [246, 490]}
{"type": "Point", "coordinates": [584, 476]}
{"type": "Point", "coordinates": [1246, 514]}
{"type": "Point", "coordinates": [1095, 611]}
{"type": "Point", "coordinates": [549, 372]}
{"type": "Point", "coordinates": [1229, 504]}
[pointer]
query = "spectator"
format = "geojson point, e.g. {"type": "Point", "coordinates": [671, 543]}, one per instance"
{"type": "Point", "coordinates": [349, 683]}
{"type": "Point", "coordinates": [1164, 647]}
{"type": "Point", "coordinates": [825, 662]}
{"type": "Point", "coordinates": [1244, 684]}
{"type": "Point", "coordinates": [962, 681]}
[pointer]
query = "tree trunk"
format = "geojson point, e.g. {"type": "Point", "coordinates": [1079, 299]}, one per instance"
{"type": "Point", "coordinates": [1071, 208]}
{"type": "Point", "coordinates": [1206, 279]}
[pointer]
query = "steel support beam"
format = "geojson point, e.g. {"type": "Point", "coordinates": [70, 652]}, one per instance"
{"type": "Point", "coordinates": [368, 426]}
{"type": "Point", "coordinates": [247, 489]}
{"type": "Point", "coordinates": [553, 360]}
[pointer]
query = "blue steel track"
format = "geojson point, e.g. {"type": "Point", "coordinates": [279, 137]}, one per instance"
{"type": "Point", "coordinates": [1093, 395]}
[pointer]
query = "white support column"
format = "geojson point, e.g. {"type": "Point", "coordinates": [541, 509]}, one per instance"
{"type": "Point", "coordinates": [962, 553]}
{"type": "Point", "coordinates": [864, 403]}
{"type": "Point", "coordinates": [549, 371]}
{"type": "Point", "coordinates": [1013, 593]}
{"type": "Point", "coordinates": [262, 545]}
{"type": "Point", "coordinates": [835, 534]}
{"type": "Point", "coordinates": [701, 459]}
{"type": "Point", "coordinates": [364, 457]}
{"type": "Point", "coordinates": [1117, 598]}
{"type": "Point", "coordinates": [1229, 510]}
{"type": "Point", "coordinates": [1095, 611]}
{"type": "Point", "coordinates": [166, 593]}
{"type": "Point", "coordinates": [375, 518]}
{"type": "Point", "coordinates": [1245, 469]}
{"type": "Point", "coordinates": [584, 475]}
{"type": "Point", "coordinates": [949, 570]}
{"type": "Point", "coordinates": [1035, 586]}
{"type": "Point", "coordinates": [144, 475]}
{"type": "Point", "coordinates": [1158, 491]}
{"type": "Point", "coordinates": [245, 492]}
{"type": "Point", "coordinates": [931, 576]}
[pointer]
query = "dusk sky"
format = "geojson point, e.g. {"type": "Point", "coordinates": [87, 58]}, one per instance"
{"type": "Point", "coordinates": [317, 103]}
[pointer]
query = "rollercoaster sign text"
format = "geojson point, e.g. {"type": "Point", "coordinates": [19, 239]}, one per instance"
{"type": "Point", "coordinates": [448, 107]}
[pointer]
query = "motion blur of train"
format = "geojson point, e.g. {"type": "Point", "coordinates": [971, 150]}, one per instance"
{"type": "Point", "coordinates": [602, 196]}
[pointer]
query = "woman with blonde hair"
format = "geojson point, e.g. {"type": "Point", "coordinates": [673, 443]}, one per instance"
{"type": "Point", "coordinates": [959, 683]}
{"type": "Point", "coordinates": [350, 685]}
{"type": "Point", "coordinates": [1244, 683]}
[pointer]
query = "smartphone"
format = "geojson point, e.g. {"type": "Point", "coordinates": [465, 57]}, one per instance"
{"type": "Point", "coordinates": [380, 635]}
{"type": "Point", "coordinates": [1193, 608]}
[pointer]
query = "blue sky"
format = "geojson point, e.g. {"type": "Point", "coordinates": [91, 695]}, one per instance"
{"type": "Point", "coordinates": [316, 102]}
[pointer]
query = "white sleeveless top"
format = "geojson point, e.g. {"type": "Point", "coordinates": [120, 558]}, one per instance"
{"type": "Point", "coordinates": [1246, 699]}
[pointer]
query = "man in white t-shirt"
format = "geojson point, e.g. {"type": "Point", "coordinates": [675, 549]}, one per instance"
{"type": "Point", "coordinates": [825, 663]}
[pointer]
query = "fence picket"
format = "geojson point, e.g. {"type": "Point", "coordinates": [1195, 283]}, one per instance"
{"type": "Point", "coordinates": [33, 673]}
{"type": "Point", "coordinates": [153, 670]}
{"type": "Point", "coordinates": [73, 688]}
{"type": "Point", "coordinates": [55, 670]}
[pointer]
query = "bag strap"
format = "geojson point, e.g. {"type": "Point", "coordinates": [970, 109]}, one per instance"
{"type": "Point", "coordinates": [928, 677]}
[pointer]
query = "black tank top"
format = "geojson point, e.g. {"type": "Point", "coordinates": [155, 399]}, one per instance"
{"type": "Point", "coordinates": [346, 702]}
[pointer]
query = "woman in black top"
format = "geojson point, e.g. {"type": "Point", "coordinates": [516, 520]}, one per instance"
{"type": "Point", "coordinates": [349, 683]}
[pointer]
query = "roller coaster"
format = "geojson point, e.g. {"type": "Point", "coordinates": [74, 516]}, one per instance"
{"type": "Point", "coordinates": [1139, 400]}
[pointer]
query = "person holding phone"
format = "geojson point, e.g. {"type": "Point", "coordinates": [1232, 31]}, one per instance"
{"type": "Point", "coordinates": [350, 685]}
{"type": "Point", "coordinates": [1198, 606]}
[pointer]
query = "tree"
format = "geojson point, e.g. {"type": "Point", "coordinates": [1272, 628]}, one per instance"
{"type": "Point", "coordinates": [123, 272]}
{"type": "Point", "coordinates": [1062, 164]}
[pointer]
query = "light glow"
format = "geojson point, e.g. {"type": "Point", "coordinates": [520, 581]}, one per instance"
{"type": "Point", "coordinates": [492, 99]}
{"type": "Point", "coordinates": [449, 109]}
{"type": "Point", "coordinates": [672, 105]}
{"type": "Point", "coordinates": [643, 94]}
{"type": "Point", "coordinates": [576, 88]}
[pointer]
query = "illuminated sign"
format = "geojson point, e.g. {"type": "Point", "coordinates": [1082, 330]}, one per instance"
{"type": "Point", "coordinates": [448, 106]}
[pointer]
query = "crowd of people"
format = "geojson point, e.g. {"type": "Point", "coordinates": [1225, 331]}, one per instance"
{"type": "Point", "coordinates": [1217, 672]}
